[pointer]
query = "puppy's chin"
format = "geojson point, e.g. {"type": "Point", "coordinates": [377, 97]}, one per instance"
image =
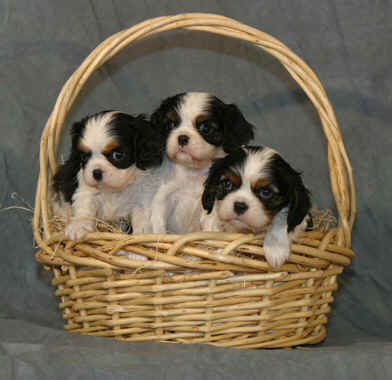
{"type": "Point", "coordinates": [188, 160]}
{"type": "Point", "coordinates": [240, 227]}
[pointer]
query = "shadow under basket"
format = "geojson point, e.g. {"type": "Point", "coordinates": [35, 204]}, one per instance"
{"type": "Point", "coordinates": [214, 288]}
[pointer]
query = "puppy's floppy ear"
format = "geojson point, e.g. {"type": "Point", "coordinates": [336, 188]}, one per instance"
{"type": "Point", "coordinates": [65, 181]}
{"type": "Point", "coordinates": [148, 144]}
{"type": "Point", "coordinates": [77, 131]}
{"type": "Point", "coordinates": [299, 203]}
{"type": "Point", "coordinates": [237, 131]}
{"type": "Point", "coordinates": [211, 184]}
{"type": "Point", "coordinates": [159, 118]}
{"type": "Point", "coordinates": [297, 195]}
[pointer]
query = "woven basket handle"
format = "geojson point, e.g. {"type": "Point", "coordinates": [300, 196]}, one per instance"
{"type": "Point", "coordinates": [342, 183]}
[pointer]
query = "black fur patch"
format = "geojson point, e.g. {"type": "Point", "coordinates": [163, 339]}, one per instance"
{"type": "Point", "coordinates": [137, 142]}
{"type": "Point", "coordinates": [211, 131]}
{"type": "Point", "coordinates": [159, 118]}
{"type": "Point", "coordinates": [65, 180]}
{"type": "Point", "coordinates": [235, 129]}
{"type": "Point", "coordinates": [217, 169]}
{"type": "Point", "coordinates": [292, 190]}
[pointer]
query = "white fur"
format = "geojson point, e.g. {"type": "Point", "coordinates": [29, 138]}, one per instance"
{"type": "Point", "coordinates": [95, 135]}
{"type": "Point", "coordinates": [256, 163]}
{"type": "Point", "coordinates": [176, 207]}
{"type": "Point", "coordinates": [92, 204]}
{"type": "Point", "coordinates": [277, 240]}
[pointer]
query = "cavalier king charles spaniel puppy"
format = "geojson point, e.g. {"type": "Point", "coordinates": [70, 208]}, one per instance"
{"type": "Point", "coordinates": [197, 127]}
{"type": "Point", "coordinates": [253, 189]}
{"type": "Point", "coordinates": [110, 158]}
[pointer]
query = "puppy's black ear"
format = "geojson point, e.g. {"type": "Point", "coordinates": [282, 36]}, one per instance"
{"type": "Point", "coordinates": [299, 202]}
{"type": "Point", "coordinates": [77, 131]}
{"type": "Point", "coordinates": [65, 181]}
{"type": "Point", "coordinates": [290, 184]}
{"type": "Point", "coordinates": [159, 119]}
{"type": "Point", "coordinates": [237, 131]}
{"type": "Point", "coordinates": [211, 184]}
{"type": "Point", "coordinates": [149, 144]}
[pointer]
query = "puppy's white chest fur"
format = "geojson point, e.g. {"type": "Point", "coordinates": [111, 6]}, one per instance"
{"type": "Point", "coordinates": [177, 204]}
{"type": "Point", "coordinates": [112, 206]}
{"type": "Point", "coordinates": [184, 201]}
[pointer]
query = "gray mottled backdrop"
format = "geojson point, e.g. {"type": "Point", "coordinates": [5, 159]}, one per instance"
{"type": "Point", "coordinates": [349, 46]}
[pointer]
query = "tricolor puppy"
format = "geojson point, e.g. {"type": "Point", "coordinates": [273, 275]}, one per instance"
{"type": "Point", "coordinates": [198, 127]}
{"type": "Point", "coordinates": [110, 153]}
{"type": "Point", "coordinates": [254, 189]}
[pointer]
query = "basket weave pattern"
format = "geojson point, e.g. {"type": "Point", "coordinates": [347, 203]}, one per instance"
{"type": "Point", "coordinates": [203, 287]}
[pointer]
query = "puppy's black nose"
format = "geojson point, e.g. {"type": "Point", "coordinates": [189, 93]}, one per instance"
{"type": "Point", "coordinates": [183, 140]}
{"type": "Point", "coordinates": [97, 174]}
{"type": "Point", "coordinates": [240, 207]}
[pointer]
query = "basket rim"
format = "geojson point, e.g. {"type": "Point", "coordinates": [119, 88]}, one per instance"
{"type": "Point", "coordinates": [340, 171]}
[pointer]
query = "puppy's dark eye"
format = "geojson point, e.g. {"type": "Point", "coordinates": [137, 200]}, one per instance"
{"type": "Point", "coordinates": [227, 186]}
{"type": "Point", "coordinates": [172, 123]}
{"type": "Point", "coordinates": [265, 192]}
{"type": "Point", "coordinates": [206, 127]}
{"type": "Point", "coordinates": [116, 155]}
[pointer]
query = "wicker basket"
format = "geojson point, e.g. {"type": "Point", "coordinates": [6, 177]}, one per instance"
{"type": "Point", "coordinates": [213, 288]}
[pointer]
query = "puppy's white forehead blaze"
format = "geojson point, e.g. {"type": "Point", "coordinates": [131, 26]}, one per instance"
{"type": "Point", "coordinates": [95, 135]}
{"type": "Point", "coordinates": [255, 166]}
{"type": "Point", "coordinates": [192, 104]}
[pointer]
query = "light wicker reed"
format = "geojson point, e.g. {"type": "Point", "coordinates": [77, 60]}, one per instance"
{"type": "Point", "coordinates": [213, 288]}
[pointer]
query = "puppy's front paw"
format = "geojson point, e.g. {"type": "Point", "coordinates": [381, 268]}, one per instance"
{"type": "Point", "coordinates": [78, 228]}
{"type": "Point", "coordinates": [276, 249]}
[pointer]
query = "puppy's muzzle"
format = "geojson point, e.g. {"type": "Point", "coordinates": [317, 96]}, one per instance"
{"type": "Point", "coordinates": [240, 207]}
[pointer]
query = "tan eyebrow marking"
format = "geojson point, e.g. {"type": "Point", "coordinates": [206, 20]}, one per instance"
{"type": "Point", "coordinates": [261, 182]}
{"type": "Point", "coordinates": [200, 118]}
{"type": "Point", "coordinates": [83, 147]}
{"type": "Point", "coordinates": [233, 178]}
{"type": "Point", "coordinates": [172, 115]}
{"type": "Point", "coordinates": [110, 146]}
